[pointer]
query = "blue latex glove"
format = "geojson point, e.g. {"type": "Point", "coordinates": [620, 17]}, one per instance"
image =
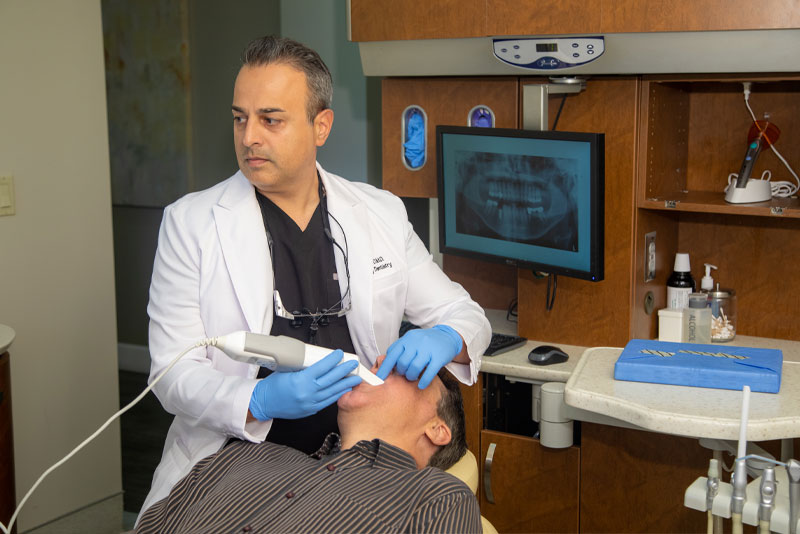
{"type": "Point", "coordinates": [414, 147]}
{"type": "Point", "coordinates": [303, 393]}
{"type": "Point", "coordinates": [422, 348]}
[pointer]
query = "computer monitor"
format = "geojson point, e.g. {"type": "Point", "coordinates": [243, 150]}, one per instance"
{"type": "Point", "coordinates": [533, 199]}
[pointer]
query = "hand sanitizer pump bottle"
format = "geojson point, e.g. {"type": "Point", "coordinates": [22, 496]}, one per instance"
{"type": "Point", "coordinates": [707, 283]}
{"type": "Point", "coordinates": [697, 320]}
{"type": "Point", "coordinates": [680, 283]}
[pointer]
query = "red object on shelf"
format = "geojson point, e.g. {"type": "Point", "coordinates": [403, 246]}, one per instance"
{"type": "Point", "coordinates": [764, 129]}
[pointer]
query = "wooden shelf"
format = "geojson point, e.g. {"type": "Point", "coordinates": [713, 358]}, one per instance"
{"type": "Point", "coordinates": [714, 202]}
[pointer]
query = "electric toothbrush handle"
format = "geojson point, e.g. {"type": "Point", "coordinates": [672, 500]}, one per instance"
{"type": "Point", "coordinates": [750, 156]}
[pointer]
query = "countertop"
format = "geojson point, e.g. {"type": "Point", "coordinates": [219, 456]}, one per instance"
{"type": "Point", "coordinates": [680, 410]}
{"type": "Point", "coordinates": [690, 411]}
{"type": "Point", "coordinates": [514, 363]}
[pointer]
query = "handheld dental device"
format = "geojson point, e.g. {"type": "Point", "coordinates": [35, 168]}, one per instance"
{"type": "Point", "coordinates": [767, 502]}
{"type": "Point", "coordinates": [753, 150]}
{"type": "Point", "coordinates": [712, 489]}
{"type": "Point", "coordinates": [282, 353]}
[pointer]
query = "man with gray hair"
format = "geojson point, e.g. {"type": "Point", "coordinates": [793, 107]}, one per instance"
{"type": "Point", "coordinates": [284, 247]}
{"type": "Point", "coordinates": [383, 474]}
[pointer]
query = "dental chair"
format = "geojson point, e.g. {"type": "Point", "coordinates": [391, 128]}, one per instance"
{"type": "Point", "coordinates": [466, 470]}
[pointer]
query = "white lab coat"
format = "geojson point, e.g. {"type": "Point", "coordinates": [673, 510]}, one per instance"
{"type": "Point", "coordinates": [212, 276]}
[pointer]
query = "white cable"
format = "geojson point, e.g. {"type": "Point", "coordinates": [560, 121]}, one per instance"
{"type": "Point", "coordinates": [7, 529]}
{"type": "Point", "coordinates": [786, 189]}
{"type": "Point", "coordinates": [781, 189]}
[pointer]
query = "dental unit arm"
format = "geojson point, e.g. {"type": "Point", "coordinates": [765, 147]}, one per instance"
{"type": "Point", "coordinates": [282, 353]}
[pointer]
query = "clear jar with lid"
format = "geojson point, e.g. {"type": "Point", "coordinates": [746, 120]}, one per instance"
{"type": "Point", "coordinates": [723, 314]}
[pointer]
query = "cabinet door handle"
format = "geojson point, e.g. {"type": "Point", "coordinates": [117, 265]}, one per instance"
{"type": "Point", "coordinates": [487, 473]}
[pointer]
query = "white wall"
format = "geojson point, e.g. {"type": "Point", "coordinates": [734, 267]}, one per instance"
{"type": "Point", "coordinates": [56, 261]}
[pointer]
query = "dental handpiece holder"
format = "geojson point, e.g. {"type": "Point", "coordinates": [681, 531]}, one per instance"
{"type": "Point", "coordinates": [282, 353]}
{"type": "Point", "coordinates": [772, 497]}
{"type": "Point", "coordinates": [755, 190]}
{"type": "Point", "coordinates": [747, 189]}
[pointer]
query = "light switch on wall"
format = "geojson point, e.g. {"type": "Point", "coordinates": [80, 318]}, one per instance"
{"type": "Point", "coordinates": [7, 204]}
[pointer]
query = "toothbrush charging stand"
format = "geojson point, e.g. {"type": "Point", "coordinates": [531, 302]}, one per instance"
{"type": "Point", "coordinates": [756, 191]}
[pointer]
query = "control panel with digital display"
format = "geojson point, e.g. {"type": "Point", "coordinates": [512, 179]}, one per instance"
{"type": "Point", "coordinates": [537, 53]}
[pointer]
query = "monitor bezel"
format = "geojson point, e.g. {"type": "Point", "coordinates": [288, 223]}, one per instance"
{"type": "Point", "coordinates": [596, 142]}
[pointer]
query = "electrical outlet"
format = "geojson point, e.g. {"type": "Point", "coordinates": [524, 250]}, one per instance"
{"type": "Point", "coordinates": [649, 256]}
{"type": "Point", "coordinates": [7, 203]}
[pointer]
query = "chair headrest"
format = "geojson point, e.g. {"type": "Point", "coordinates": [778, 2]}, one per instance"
{"type": "Point", "coordinates": [466, 470]}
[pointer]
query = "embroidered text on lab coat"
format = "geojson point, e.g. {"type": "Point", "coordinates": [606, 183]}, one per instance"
{"type": "Point", "coordinates": [379, 264]}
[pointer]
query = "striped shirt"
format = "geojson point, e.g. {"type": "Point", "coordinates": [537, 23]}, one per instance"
{"type": "Point", "coordinates": [264, 487]}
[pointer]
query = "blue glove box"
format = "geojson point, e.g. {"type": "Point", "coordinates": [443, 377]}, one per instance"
{"type": "Point", "coordinates": [707, 366]}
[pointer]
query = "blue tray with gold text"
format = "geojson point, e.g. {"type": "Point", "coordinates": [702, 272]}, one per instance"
{"type": "Point", "coordinates": [707, 366]}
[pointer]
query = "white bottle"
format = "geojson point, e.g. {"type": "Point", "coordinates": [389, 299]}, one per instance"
{"type": "Point", "coordinates": [707, 283]}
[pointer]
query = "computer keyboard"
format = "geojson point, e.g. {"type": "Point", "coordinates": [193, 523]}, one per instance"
{"type": "Point", "coordinates": [501, 343]}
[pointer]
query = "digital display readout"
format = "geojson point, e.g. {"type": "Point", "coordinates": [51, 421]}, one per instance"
{"type": "Point", "coordinates": [546, 47]}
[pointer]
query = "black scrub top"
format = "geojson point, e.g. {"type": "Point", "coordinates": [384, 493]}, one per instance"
{"type": "Point", "coordinates": [305, 275]}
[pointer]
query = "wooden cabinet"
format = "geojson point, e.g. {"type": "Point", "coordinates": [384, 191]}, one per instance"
{"type": "Point", "coordinates": [389, 20]}
{"type": "Point", "coordinates": [542, 17]}
{"type": "Point", "coordinates": [670, 144]}
{"type": "Point", "coordinates": [532, 488]}
{"type": "Point", "coordinates": [593, 313]}
{"type": "Point", "coordinates": [473, 411]}
{"type": "Point", "coordinates": [613, 480]}
{"type": "Point", "coordinates": [620, 16]}
{"type": "Point", "coordinates": [634, 481]}
{"type": "Point", "coordinates": [693, 134]}
{"type": "Point", "coordinates": [386, 20]}
{"type": "Point", "coordinates": [446, 101]}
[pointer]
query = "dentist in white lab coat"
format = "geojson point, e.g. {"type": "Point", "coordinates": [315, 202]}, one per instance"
{"type": "Point", "coordinates": [213, 272]}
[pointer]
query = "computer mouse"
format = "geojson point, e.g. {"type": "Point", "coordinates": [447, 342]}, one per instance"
{"type": "Point", "coordinates": [547, 355]}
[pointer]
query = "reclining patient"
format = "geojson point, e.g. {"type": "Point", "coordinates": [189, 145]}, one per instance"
{"type": "Point", "coordinates": [383, 474]}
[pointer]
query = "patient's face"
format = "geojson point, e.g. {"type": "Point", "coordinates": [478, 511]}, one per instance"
{"type": "Point", "coordinates": [398, 400]}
